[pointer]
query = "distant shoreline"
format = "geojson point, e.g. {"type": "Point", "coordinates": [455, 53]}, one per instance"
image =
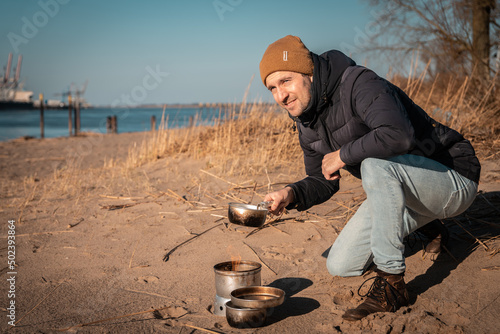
{"type": "Point", "coordinates": [142, 106]}
{"type": "Point", "coordinates": [181, 105]}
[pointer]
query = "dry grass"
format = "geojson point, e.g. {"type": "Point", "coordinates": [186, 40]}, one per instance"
{"type": "Point", "coordinates": [245, 140]}
{"type": "Point", "coordinates": [252, 138]}
{"type": "Point", "coordinates": [461, 103]}
{"type": "Point", "coordinates": [256, 138]}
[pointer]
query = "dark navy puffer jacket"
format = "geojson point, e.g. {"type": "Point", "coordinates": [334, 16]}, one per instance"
{"type": "Point", "coordinates": [364, 115]}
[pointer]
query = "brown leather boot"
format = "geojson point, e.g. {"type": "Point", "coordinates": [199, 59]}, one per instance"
{"type": "Point", "coordinates": [437, 234]}
{"type": "Point", "coordinates": [387, 294]}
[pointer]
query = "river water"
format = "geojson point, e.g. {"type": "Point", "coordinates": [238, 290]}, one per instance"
{"type": "Point", "coordinates": [20, 123]}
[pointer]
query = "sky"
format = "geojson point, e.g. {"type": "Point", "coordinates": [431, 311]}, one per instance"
{"type": "Point", "coordinates": [166, 51]}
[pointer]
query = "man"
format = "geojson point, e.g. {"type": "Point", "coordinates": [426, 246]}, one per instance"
{"type": "Point", "coordinates": [414, 170]}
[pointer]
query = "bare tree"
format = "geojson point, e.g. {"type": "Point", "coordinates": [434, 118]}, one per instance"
{"type": "Point", "coordinates": [457, 37]}
{"type": "Point", "coordinates": [481, 16]}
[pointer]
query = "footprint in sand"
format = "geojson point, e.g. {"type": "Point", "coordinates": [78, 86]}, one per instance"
{"type": "Point", "coordinates": [282, 252]}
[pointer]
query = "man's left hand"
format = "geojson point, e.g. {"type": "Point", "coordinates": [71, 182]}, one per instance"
{"type": "Point", "coordinates": [331, 165]}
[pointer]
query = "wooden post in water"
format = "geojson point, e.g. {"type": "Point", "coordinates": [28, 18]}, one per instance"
{"type": "Point", "coordinates": [75, 133]}
{"type": "Point", "coordinates": [77, 117]}
{"type": "Point", "coordinates": [42, 124]}
{"type": "Point", "coordinates": [153, 123]}
{"type": "Point", "coordinates": [114, 124]}
{"type": "Point", "coordinates": [109, 125]}
{"type": "Point", "coordinates": [70, 122]}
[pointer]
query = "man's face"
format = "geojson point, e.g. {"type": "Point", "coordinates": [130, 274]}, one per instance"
{"type": "Point", "coordinates": [291, 90]}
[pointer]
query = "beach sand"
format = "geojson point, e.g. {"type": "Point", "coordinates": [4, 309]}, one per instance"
{"type": "Point", "coordinates": [91, 234]}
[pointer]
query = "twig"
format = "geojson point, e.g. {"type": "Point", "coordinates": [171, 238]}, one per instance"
{"type": "Point", "coordinates": [487, 305]}
{"type": "Point", "coordinates": [34, 307]}
{"type": "Point", "coordinates": [277, 229]}
{"type": "Point", "coordinates": [317, 216]}
{"type": "Point", "coordinates": [486, 200]}
{"type": "Point", "coordinates": [449, 253]}
{"type": "Point", "coordinates": [483, 221]}
{"type": "Point", "coordinates": [114, 318]}
{"type": "Point", "coordinates": [78, 222]}
{"type": "Point", "coordinates": [179, 197]}
{"type": "Point", "coordinates": [263, 186]}
{"type": "Point", "coordinates": [42, 159]}
{"type": "Point", "coordinates": [121, 197]}
{"type": "Point", "coordinates": [234, 184]}
{"type": "Point", "coordinates": [117, 206]}
{"type": "Point", "coordinates": [38, 233]}
{"type": "Point", "coordinates": [269, 224]}
{"type": "Point", "coordinates": [167, 256]}
{"type": "Point", "coordinates": [147, 293]}
{"type": "Point", "coordinates": [205, 210]}
{"type": "Point", "coordinates": [234, 198]}
{"type": "Point", "coordinates": [253, 193]}
{"type": "Point", "coordinates": [345, 206]}
{"type": "Point", "coordinates": [490, 268]}
{"type": "Point", "coordinates": [268, 180]}
{"type": "Point", "coordinates": [131, 258]}
{"type": "Point", "coordinates": [202, 329]}
{"type": "Point", "coordinates": [260, 258]}
{"type": "Point", "coordinates": [479, 241]}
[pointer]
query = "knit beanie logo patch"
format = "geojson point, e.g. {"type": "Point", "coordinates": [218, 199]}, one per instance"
{"type": "Point", "coordinates": [285, 55]}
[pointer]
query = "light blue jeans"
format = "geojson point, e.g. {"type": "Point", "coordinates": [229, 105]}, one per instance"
{"type": "Point", "coordinates": [403, 194]}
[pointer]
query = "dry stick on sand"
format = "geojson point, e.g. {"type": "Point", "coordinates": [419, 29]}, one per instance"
{"type": "Point", "coordinates": [231, 183]}
{"type": "Point", "coordinates": [202, 329]}
{"type": "Point", "coordinates": [146, 293]}
{"type": "Point", "coordinates": [118, 317]}
{"type": "Point", "coordinates": [486, 200]}
{"type": "Point", "coordinates": [132, 257]}
{"type": "Point", "coordinates": [39, 233]}
{"type": "Point", "coordinates": [117, 206]}
{"type": "Point", "coordinates": [260, 258]}
{"type": "Point", "coordinates": [483, 221]}
{"type": "Point", "coordinates": [261, 187]}
{"type": "Point", "coordinates": [253, 193]}
{"type": "Point", "coordinates": [121, 197]}
{"type": "Point", "coordinates": [486, 248]}
{"type": "Point", "coordinates": [175, 195]}
{"type": "Point", "coordinates": [34, 307]}
{"type": "Point", "coordinates": [167, 256]}
{"type": "Point", "coordinates": [269, 224]}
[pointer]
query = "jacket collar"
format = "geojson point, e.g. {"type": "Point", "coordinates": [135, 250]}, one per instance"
{"type": "Point", "coordinates": [327, 75]}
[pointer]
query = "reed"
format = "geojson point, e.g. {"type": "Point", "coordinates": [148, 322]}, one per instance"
{"type": "Point", "coordinates": [250, 138]}
{"type": "Point", "coordinates": [245, 139]}
{"type": "Point", "coordinates": [462, 103]}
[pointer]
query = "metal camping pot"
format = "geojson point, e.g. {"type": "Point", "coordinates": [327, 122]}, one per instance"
{"type": "Point", "coordinates": [229, 278]}
{"type": "Point", "coordinates": [247, 214]}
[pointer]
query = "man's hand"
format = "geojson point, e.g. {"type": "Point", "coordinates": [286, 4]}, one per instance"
{"type": "Point", "coordinates": [331, 165]}
{"type": "Point", "coordinates": [281, 199]}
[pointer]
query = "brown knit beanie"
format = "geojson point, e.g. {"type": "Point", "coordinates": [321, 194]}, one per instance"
{"type": "Point", "coordinates": [286, 54]}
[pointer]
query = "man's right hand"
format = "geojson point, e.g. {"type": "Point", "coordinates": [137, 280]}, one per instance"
{"type": "Point", "coordinates": [281, 199]}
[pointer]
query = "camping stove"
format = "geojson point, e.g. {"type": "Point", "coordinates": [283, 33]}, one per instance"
{"type": "Point", "coordinates": [229, 277]}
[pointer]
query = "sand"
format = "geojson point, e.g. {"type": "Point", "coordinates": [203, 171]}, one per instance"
{"type": "Point", "coordinates": [90, 243]}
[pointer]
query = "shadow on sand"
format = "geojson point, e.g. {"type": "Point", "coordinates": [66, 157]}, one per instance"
{"type": "Point", "coordinates": [293, 306]}
{"type": "Point", "coordinates": [473, 228]}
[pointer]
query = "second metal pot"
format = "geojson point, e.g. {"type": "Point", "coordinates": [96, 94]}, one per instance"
{"type": "Point", "coordinates": [247, 214]}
